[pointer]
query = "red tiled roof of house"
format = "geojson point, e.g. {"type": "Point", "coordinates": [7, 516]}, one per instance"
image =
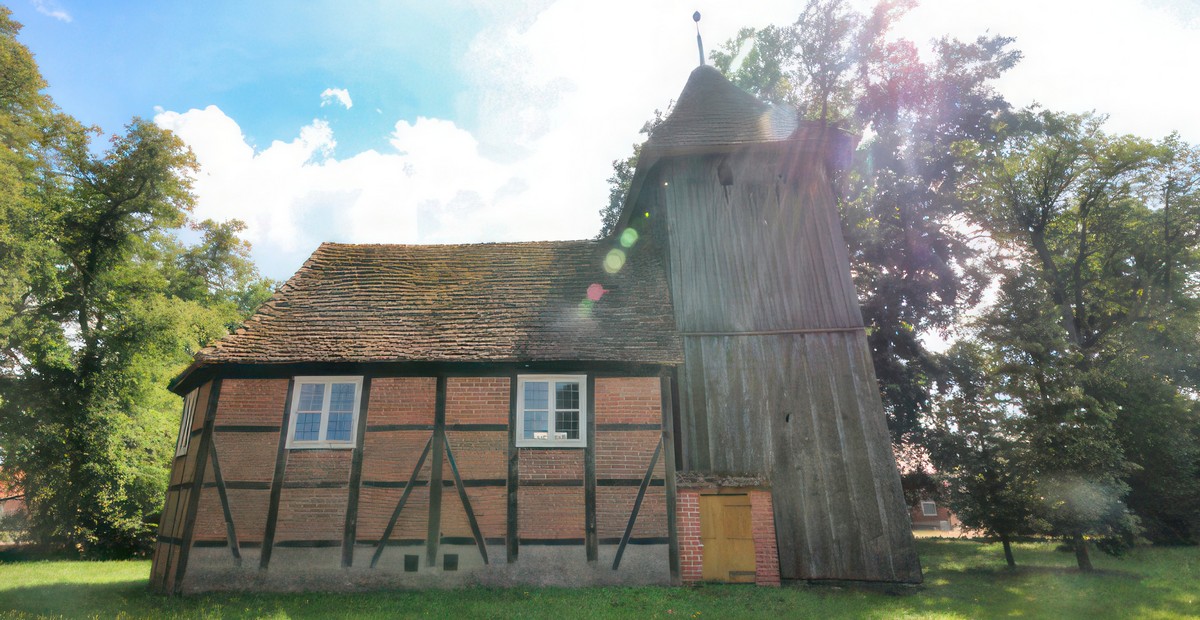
{"type": "Point", "coordinates": [540, 301]}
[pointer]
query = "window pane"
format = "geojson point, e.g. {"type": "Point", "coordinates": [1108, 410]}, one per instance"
{"type": "Point", "coordinates": [342, 398]}
{"type": "Point", "coordinates": [339, 426]}
{"type": "Point", "coordinates": [537, 394]}
{"type": "Point", "coordinates": [535, 424]}
{"type": "Point", "coordinates": [566, 395]}
{"type": "Point", "coordinates": [308, 426]}
{"type": "Point", "coordinates": [566, 424]}
{"type": "Point", "coordinates": [312, 396]}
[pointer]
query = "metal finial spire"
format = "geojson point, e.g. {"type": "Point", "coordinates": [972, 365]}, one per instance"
{"type": "Point", "coordinates": [699, 42]}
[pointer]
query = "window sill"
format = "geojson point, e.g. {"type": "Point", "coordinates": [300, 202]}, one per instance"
{"type": "Point", "coordinates": [320, 445]}
{"type": "Point", "coordinates": [575, 443]}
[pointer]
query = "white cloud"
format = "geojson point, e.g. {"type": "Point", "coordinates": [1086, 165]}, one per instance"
{"type": "Point", "coordinates": [1115, 57]}
{"type": "Point", "coordinates": [339, 95]}
{"type": "Point", "coordinates": [552, 100]}
{"type": "Point", "coordinates": [52, 9]}
{"type": "Point", "coordinates": [434, 187]}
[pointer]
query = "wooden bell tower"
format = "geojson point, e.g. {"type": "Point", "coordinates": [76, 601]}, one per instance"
{"type": "Point", "coordinates": [777, 379]}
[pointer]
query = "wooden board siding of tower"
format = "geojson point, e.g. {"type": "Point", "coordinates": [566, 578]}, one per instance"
{"type": "Point", "coordinates": [777, 377]}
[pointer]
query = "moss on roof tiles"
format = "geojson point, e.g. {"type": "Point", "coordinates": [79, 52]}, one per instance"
{"type": "Point", "coordinates": [478, 302]}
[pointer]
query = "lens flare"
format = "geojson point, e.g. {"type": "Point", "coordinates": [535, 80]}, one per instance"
{"type": "Point", "coordinates": [614, 261]}
{"type": "Point", "coordinates": [595, 292]}
{"type": "Point", "coordinates": [629, 237]}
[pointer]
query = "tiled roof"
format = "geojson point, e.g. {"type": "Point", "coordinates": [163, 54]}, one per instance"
{"type": "Point", "coordinates": [711, 110]}
{"type": "Point", "coordinates": [478, 302]}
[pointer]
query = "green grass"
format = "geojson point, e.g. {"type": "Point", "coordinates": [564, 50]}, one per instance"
{"type": "Point", "coordinates": [962, 580]}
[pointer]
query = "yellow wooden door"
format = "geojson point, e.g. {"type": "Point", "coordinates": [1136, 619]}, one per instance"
{"type": "Point", "coordinates": [728, 552]}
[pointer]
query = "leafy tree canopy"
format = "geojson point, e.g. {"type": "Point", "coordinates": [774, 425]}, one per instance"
{"type": "Point", "coordinates": [100, 305]}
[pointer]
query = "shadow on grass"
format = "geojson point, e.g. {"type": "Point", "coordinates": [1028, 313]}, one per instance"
{"type": "Point", "coordinates": [70, 598]}
{"type": "Point", "coordinates": [31, 553]}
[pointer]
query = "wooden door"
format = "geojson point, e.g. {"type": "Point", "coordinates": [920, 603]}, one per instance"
{"type": "Point", "coordinates": [728, 551]}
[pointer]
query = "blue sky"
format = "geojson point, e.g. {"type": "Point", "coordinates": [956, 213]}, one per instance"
{"type": "Point", "coordinates": [263, 63]}
{"type": "Point", "coordinates": [466, 120]}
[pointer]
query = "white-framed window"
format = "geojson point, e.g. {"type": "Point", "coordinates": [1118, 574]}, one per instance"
{"type": "Point", "coordinates": [324, 412]}
{"type": "Point", "coordinates": [929, 509]}
{"type": "Point", "coordinates": [551, 411]}
{"type": "Point", "coordinates": [185, 424]}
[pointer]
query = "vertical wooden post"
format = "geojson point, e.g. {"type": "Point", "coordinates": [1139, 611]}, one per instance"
{"type": "Point", "coordinates": [356, 461]}
{"type": "Point", "coordinates": [589, 473]}
{"type": "Point", "coordinates": [668, 426]}
{"type": "Point", "coordinates": [434, 532]}
{"type": "Point", "coordinates": [512, 545]}
{"type": "Point", "coordinates": [189, 524]}
{"type": "Point", "coordinates": [281, 455]}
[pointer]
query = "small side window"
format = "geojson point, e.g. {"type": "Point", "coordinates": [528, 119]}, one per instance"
{"type": "Point", "coordinates": [551, 411]}
{"type": "Point", "coordinates": [324, 412]}
{"type": "Point", "coordinates": [929, 509]}
{"type": "Point", "coordinates": [185, 424]}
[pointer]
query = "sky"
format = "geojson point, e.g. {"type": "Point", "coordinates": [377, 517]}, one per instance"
{"type": "Point", "coordinates": [462, 121]}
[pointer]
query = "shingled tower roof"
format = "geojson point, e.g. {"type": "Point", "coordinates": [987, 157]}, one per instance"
{"type": "Point", "coordinates": [712, 110]}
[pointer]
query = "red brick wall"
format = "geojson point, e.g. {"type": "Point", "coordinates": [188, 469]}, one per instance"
{"type": "Point", "coordinates": [762, 526]}
{"type": "Point", "coordinates": [375, 507]}
{"type": "Point", "coordinates": [687, 517]}
{"type": "Point", "coordinates": [402, 400]}
{"type": "Point", "coordinates": [13, 505]}
{"type": "Point", "coordinates": [243, 456]}
{"type": "Point", "coordinates": [615, 504]}
{"type": "Point", "coordinates": [631, 400]}
{"type": "Point", "coordinates": [919, 518]}
{"type": "Point", "coordinates": [550, 511]}
{"type": "Point", "coordinates": [480, 455]}
{"type": "Point", "coordinates": [314, 513]}
{"type": "Point", "coordinates": [551, 464]}
{"type": "Point", "coordinates": [247, 457]}
{"type": "Point", "coordinates": [253, 402]}
{"type": "Point", "coordinates": [390, 456]}
{"type": "Point", "coordinates": [477, 400]}
{"type": "Point", "coordinates": [626, 454]}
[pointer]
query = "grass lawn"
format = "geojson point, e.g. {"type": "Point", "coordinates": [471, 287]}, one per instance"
{"type": "Point", "coordinates": [963, 579]}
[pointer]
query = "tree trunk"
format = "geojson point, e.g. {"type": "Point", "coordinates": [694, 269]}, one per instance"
{"type": "Point", "coordinates": [1008, 555]}
{"type": "Point", "coordinates": [1058, 290]}
{"type": "Point", "coordinates": [1081, 554]}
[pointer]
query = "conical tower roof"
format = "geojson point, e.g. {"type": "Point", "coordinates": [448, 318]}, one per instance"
{"type": "Point", "coordinates": [711, 110]}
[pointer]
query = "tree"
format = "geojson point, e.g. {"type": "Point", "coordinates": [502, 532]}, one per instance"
{"type": "Point", "coordinates": [1091, 299]}
{"type": "Point", "coordinates": [622, 178]}
{"type": "Point", "coordinates": [979, 452]}
{"type": "Point", "coordinates": [100, 307]}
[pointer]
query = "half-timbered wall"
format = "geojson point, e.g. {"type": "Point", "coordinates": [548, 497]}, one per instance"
{"type": "Point", "coordinates": [381, 514]}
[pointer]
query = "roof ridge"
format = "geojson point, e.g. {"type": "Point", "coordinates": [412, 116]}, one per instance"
{"type": "Point", "coordinates": [333, 244]}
